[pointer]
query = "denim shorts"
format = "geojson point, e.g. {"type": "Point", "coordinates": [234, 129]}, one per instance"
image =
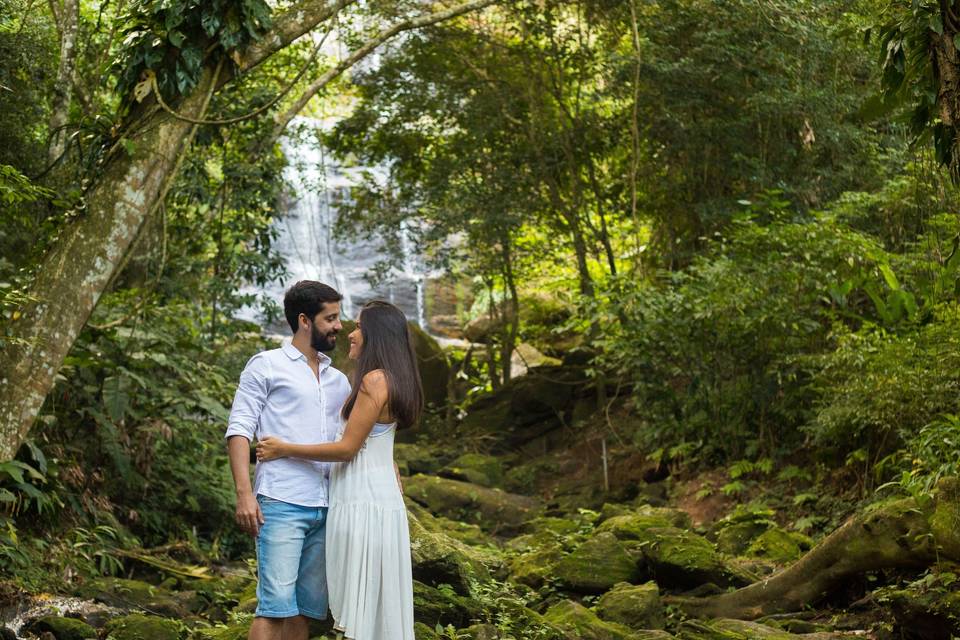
{"type": "Point", "coordinates": [291, 562]}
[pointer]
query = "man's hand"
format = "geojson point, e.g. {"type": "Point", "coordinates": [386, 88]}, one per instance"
{"type": "Point", "coordinates": [249, 516]}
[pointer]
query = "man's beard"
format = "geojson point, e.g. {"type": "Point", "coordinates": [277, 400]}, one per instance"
{"type": "Point", "coordinates": [322, 342]}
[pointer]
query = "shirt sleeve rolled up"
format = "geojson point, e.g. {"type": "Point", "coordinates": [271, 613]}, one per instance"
{"type": "Point", "coordinates": [249, 399]}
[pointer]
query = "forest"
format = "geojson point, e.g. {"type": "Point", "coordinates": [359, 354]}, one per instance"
{"type": "Point", "coordinates": [687, 306]}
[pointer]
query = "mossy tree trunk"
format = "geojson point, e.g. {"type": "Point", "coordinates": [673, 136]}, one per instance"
{"type": "Point", "coordinates": [901, 534]}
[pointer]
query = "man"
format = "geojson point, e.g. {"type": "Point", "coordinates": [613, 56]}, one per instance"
{"type": "Point", "coordinates": [292, 393]}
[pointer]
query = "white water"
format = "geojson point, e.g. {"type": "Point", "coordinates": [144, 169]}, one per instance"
{"type": "Point", "coordinates": [311, 252]}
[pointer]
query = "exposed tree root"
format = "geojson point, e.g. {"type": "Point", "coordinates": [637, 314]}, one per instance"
{"type": "Point", "coordinates": [902, 534]}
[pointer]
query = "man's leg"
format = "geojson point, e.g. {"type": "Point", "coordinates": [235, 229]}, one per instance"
{"type": "Point", "coordinates": [267, 629]}
{"type": "Point", "coordinates": [279, 546]}
{"type": "Point", "coordinates": [312, 597]}
{"type": "Point", "coordinates": [296, 628]}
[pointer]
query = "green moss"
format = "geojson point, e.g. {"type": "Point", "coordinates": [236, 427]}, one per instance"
{"type": "Point", "coordinates": [137, 626]}
{"type": "Point", "coordinates": [736, 538]}
{"type": "Point", "coordinates": [440, 559]}
{"type": "Point", "coordinates": [778, 545]}
{"type": "Point", "coordinates": [493, 510]}
{"type": "Point", "coordinates": [63, 628]}
{"type": "Point", "coordinates": [682, 559]}
{"type": "Point", "coordinates": [434, 606]}
{"type": "Point", "coordinates": [579, 622]}
{"type": "Point", "coordinates": [633, 526]}
{"type": "Point", "coordinates": [484, 470]}
{"type": "Point", "coordinates": [228, 632]}
{"type": "Point", "coordinates": [596, 565]}
{"type": "Point", "coordinates": [123, 593]}
{"type": "Point", "coordinates": [725, 629]}
{"type": "Point", "coordinates": [636, 606]}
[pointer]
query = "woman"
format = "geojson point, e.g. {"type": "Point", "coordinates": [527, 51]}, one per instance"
{"type": "Point", "coordinates": [368, 542]}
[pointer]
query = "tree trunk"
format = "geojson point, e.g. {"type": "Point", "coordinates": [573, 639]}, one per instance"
{"type": "Point", "coordinates": [68, 21]}
{"type": "Point", "coordinates": [901, 534]}
{"type": "Point", "coordinates": [78, 269]}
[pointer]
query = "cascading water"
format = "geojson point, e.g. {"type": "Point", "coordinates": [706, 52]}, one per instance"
{"type": "Point", "coordinates": [306, 241]}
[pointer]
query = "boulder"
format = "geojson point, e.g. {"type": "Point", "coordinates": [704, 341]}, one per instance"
{"type": "Point", "coordinates": [439, 559]}
{"type": "Point", "coordinates": [477, 468]}
{"type": "Point", "coordinates": [596, 565]}
{"type": "Point", "coordinates": [434, 606]}
{"type": "Point", "coordinates": [579, 623]}
{"type": "Point", "coordinates": [525, 408]}
{"type": "Point", "coordinates": [680, 559]}
{"type": "Point", "coordinates": [137, 626]}
{"type": "Point", "coordinates": [729, 629]}
{"type": "Point", "coordinates": [469, 534]}
{"type": "Point", "coordinates": [415, 458]}
{"type": "Point", "coordinates": [534, 565]}
{"type": "Point", "coordinates": [62, 628]}
{"type": "Point", "coordinates": [923, 612]}
{"type": "Point", "coordinates": [778, 545]}
{"type": "Point", "coordinates": [635, 606]}
{"type": "Point", "coordinates": [126, 594]}
{"type": "Point", "coordinates": [634, 525]}
{"type": "Point", "coordinates": [423, 632]}
{"type": "Point", "coordinates": [237, 631]}
{"type": "Point", "coordinates": [493, 510]}
{"type": "Point", "coordinates": [526, 357]}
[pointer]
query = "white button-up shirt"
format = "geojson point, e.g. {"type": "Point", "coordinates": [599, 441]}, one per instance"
{"type": "Point", "coordinates": [279, 396]}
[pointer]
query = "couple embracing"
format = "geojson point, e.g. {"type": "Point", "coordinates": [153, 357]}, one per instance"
{"type": "Point", "coordinates": [326, 505]}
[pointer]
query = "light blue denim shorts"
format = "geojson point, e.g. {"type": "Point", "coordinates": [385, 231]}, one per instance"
{"type": "Point", "coordinates": [291, 562]}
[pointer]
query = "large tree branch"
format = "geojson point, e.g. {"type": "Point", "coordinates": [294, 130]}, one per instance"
{"type": "Point", "coordinates": [289, 26]}
{"type": "Point", "coordinates": [366, 49]}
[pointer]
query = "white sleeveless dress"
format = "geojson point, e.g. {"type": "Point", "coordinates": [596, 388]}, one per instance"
{"type": "Point", "coordinates": [369, 573]}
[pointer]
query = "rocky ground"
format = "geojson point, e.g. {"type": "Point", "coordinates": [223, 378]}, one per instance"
{"type": "Point", "coordinates": [528, 541]}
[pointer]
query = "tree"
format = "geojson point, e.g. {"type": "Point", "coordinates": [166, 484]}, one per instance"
{"type": "Point", "coordinates": [166, 86]}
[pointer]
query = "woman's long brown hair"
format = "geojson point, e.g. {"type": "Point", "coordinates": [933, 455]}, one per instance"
{"type": "Point", "coordinates": [387, 345]}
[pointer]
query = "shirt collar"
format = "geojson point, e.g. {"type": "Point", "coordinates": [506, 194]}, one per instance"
{"type": "Point", "coordinates": [294, 354]}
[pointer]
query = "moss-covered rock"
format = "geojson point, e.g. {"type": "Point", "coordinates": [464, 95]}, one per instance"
{"type": "Point", "coordinates": [126, 594]}
{"type": "Point", "coordinates": [580, 623]}
{"type": "Point", "coordinates": [634, 525]}
{"type": "Point", "coordinates": [778, 545]}
{"type": "Point", "coordinates": [469, 534]}
{"type": "Point", "coordinates": [928, 612]}
{"type": "Point", "coordinates": [550, 525]}
{"type": "Point", "coordinates": [636, 606]}
{"type": "Point", "coordinates": [415, 458]}
{"type": "Point", "coordinates": [726, 629]}
{"type": "Point", "coordinates": [439, 559]}
{"type": "Point", "coordinates": [434, 606]}
{"type": "Point", "coordinates": [424, 632]}
{"type": "Point", "coordinates": [493, 510]}
{"type": "Point", "coordinates": [525, 408]}
{"type": "Point", "coordinates": [224, 632]}
{"type": "Point", "coordinates": [476, 468]}
{"type": "Point", "coordinates": [137, 626]}
{"type": "Point", "coordinates": [609, 510]}
{"type": "Point", "coordinates": [596, 565]}
{"type": "Point", "coordinates": [433, 365]}
{"type": "Point", "coordinates": [736, 538]}
{"type": "Point", "coordinates": [681, 559]}
{"type": "Point", "coordinates": [62, 628]}
{"type": "Point", "coordinates": [534, 566]}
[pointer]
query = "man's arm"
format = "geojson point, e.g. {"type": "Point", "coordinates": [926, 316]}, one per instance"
{"type": "Point", "coordinates": [244, 417]}
{"type": "Point", "coordinates": [248, 516]}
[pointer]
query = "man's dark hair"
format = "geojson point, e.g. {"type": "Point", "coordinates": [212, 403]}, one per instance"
{"type": "Point", "coordinates": [307, 297]}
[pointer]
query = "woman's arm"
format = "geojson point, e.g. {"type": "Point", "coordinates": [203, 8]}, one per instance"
{"type": "Point", "coordinates": [370, 402]}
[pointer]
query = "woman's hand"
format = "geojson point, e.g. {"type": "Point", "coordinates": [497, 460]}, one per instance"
{"type": "Point", "coordinates": [271, 448]}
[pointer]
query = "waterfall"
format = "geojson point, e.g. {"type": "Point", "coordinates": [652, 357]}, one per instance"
{"type": "Point", "coordinates": [306, 242]}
